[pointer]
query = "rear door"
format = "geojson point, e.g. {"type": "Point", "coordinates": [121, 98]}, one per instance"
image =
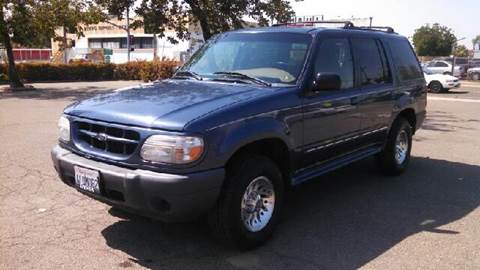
{"type": "Point", "coordinates": [375, 105]}
{"type": "Point", "coordinates": [330, 118]}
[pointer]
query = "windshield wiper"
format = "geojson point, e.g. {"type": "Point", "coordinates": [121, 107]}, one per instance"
{"type": "Point", "coordinates": [186, 73]}
{"type": "Point", "coordinates": [244, 77]}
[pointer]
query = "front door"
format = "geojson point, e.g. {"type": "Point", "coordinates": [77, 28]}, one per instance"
{"type": "Point", "coordinates": [331, 119]}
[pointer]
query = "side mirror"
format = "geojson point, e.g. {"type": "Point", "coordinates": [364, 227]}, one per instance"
{"type": "Point", "coordinates": [326, 82]}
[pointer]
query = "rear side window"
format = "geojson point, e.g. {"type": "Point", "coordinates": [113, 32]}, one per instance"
{"type": "Point", "coordinates": [440, 64]}
{"type": "Point", "coordinates": [334, 56]}
{"type": "Point", "coordinates": [405, 60]}
{"type": "Point", "coordinates": [372, 63]}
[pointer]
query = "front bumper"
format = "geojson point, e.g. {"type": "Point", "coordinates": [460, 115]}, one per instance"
{"type": "Point", "coordinates": [163, 196]}
{"type": "Point", "coordinates": [452, 85]}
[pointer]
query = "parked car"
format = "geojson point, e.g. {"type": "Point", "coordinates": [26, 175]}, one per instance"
{"type": "Point", "coordinates": [441, 83]}
{"type": "Point", "coordinates": [252, 113]}
{"type": "Point", "coordinates": [474, 74]}
{"type": "Point", "coordinates": [442, 67]}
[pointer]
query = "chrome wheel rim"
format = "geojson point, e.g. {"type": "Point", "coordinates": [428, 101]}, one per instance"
{"type": "Point", "coordinates": [258, 203]}
{"type": "Point", "coordinates": [401, 147]}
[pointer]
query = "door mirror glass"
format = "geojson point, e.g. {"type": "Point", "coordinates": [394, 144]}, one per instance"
{"type": "Point", "coordinates": [326, 82]}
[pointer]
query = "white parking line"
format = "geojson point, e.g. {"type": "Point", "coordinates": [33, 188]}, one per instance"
{"type": "Point", "coordinates": [455, 99]}
{"type": "Point", "coordinates": [470, 84]}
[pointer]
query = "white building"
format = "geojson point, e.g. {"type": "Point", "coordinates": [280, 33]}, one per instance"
{"type": "Point", "coordinates": [114, 39]}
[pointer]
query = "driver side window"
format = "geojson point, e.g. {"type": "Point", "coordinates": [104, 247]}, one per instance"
{"type": "Point", "coordinates": [334, 56]}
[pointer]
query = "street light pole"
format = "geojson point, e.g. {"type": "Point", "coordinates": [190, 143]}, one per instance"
{"type": "Point", "coordinates": [454, 58]}
{"type": "Point", "coordinates": [128, 34]}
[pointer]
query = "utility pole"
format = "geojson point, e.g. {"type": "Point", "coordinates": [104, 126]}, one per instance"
{"type": "Point", "coordinates": [454, 58]}
{"type": "Point", "coordinates": [128, 34]}
{"type": "Point", "coordinates": [65, 46]}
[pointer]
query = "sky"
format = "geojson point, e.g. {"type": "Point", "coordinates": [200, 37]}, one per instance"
{"type": "Point", "coordinates": [462, 16]}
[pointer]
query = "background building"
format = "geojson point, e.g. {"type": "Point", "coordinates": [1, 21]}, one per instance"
{"type": "Point", "coordinates": [110, 42]}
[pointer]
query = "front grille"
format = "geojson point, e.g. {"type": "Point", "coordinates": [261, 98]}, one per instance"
{"type": "Point", "coordinates": [107, 139]}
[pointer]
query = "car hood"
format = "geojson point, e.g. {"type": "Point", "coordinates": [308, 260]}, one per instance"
{"type": "Point", "coordinates": [169, 105]}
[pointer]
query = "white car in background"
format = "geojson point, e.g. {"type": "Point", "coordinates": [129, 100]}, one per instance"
{"type": "Point", "coordinates": [439, 82]}
{"type": "Point", "coordinates": [474, 73]}
{"type": "Point", "coordinates": [442, 67]}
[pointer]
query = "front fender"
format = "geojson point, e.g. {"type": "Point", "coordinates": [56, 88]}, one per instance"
{"type": "Point", "coordinates": [243, 132]}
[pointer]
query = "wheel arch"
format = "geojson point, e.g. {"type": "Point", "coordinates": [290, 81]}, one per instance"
{"type": "Point", "coordinates": [409, 115]}
{"type": "Point", "coordinates": [273, 148]}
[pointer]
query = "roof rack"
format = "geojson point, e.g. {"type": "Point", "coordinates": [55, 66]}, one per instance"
{"type": "Point", "coordinates": [346, 25]}
{"type": "Point", "coordinates": [387, 29]}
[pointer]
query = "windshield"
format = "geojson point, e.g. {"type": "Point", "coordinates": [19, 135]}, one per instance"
{"type": "Point", "coordinates": [276, 58]}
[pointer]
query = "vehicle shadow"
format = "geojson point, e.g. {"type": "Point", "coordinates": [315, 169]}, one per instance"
{"type": "Point", "coordinates": [341, 221]}
{"type": "Point", "coordinates": [445, 122]}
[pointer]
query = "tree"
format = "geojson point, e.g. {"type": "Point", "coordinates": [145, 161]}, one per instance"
{"type": "Point", "coordinates": [435, 40]}
{"type": "Point", "coordinates": [33, 22]}
{"type": "Point", "coordinates": [214, 16]}
{"type": "Point", "coordinates": [68, 15]}
{"type": "Point", "coordinates": [15, 16]}
{"type": "Point", "coordinates": [461, 51]}
{"type": "Point", "coordinates": [476, 42]}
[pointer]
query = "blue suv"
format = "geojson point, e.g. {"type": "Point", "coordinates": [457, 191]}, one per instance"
{"type": "Point", "coordinates": [252, 113]}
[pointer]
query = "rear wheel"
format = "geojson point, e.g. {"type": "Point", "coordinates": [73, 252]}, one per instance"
{"type": "Point", "coordinates": [395, 157]}
{"type": "Point", "coordinates": [435, 87]}
{"type": "Point", "coordinates": [250, 203]}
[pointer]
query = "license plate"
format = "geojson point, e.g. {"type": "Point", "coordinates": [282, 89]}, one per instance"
{"type": "Point", "coordinates": [87, 179]}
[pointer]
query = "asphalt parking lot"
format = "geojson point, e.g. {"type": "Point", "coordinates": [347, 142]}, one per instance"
{"type": "Point", "coordinates": [428, 218]}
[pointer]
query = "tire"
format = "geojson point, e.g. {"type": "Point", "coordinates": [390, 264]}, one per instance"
{"type": "Point", "coordinates": [436, 87]}
{"type": "Point", "coordinates": [389, 161]}
{"type": "Point", "coordinates": [228, 220]}
{"type": "Point", "coordinates": [476, 76]}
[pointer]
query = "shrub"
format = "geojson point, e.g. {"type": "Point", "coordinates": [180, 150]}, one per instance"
{"type": "Point", "coordinates": [78, 71]}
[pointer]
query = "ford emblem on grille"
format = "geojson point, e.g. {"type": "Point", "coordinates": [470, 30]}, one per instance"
{"type": "Point", "coordinates": [101, 137]}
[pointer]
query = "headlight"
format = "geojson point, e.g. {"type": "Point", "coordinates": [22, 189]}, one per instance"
{"type": "Point", "coordinates": [172, 149]}
{"type": "Point", "coordinates": [64, 129]}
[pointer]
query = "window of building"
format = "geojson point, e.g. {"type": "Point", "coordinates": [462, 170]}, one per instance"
{"type": "Point", "coordinates": [120, 43]}
{"type": "Point", "coordinates": [334, 56]}
{"type": "Point", "coordinates": [371, 66]}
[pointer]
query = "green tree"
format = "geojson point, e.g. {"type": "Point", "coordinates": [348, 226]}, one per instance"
{"type": "Point", "coordinates": [434, 40]}
{"type": "Point", "coordinates": [71, 16]}
{"type": "Point", "coordinates": [461, 51]}
{"type": "Point", "coordinates": [214, 16]}
{"type": "Point", "coordinates": [33, 23]}
{"type": "Point", "coordinates": [15, 17]}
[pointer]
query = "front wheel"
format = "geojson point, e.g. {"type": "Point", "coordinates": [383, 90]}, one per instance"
{"type": "Point", "coordinates": [250, 203]}
{"type": "Point", "coordinates": [436, 87]}
{"type": "Point", "coordinates": [395, 157]}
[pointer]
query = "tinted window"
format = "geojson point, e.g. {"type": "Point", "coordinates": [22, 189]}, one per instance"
{"type": "Point", "coordinates": [405, 60]}
{"type": "Point", "coordinates": [371, 62]}
{"type": "Point", "coordinates": [441, 64]}
{"type": "Point", "coordinates": [334, 56]}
